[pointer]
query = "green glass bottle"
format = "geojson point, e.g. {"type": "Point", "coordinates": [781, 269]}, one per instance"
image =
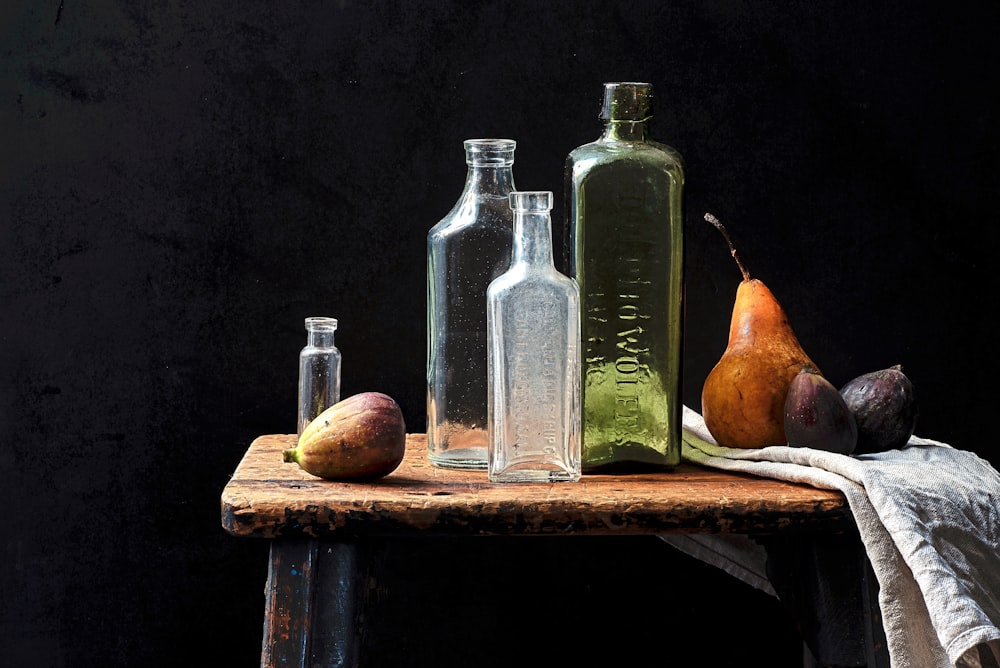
{"type": "Point", "coordinates": [625, 248]}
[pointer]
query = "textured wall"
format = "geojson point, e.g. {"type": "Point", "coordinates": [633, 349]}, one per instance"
{"type": "Point", "coordinates": [181, 183]}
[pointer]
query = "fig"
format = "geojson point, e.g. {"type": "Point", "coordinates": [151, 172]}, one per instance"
{"type": "Point", "coordinates": [360, 437]}
{"type": "Point", "coordinates": [816, 415]}
{"type": "Point", "coordinates": [885, 408]}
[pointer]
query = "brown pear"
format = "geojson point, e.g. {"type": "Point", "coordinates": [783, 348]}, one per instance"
{"type": "Point", "coordinates": [743, 398]}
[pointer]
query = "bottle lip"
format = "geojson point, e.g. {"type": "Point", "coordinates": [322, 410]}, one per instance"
{"type": "Point", "coordinates": [489, 151]}
{"type": "Point", "coordinates": [627, 101]}
{"type": "Point", "coordinates": [321, 324]}
{"type": "Point", "coordinates": [530, 200]}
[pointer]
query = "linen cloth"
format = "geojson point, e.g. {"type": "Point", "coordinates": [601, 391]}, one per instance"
{"type": "Point", "coordinates": [929, 518]}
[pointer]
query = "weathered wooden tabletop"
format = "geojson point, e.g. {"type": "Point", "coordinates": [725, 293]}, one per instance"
{"type": "Point", "coordinates": [269, 498]}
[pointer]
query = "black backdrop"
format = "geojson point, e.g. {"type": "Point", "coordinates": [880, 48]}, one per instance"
{"type": "Point", "coordinates": [181, 183]}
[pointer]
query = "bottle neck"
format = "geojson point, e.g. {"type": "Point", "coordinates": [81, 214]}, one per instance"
{"type": "Point", "coordinates": [626, 130]}
{"type": "Point", "coordinates": [320, 339]}
{"type": "Point", "coordinates": [491, 163]}
{"type": "Point", "coordinates": [319, 332]}
{"type": "Point", "coordinates": [532, 238]}
{"type": "Point", "coordinates": [490, 179]}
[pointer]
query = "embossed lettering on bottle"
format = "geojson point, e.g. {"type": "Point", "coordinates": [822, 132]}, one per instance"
{"type": "Point", "coordinates": [631, 368]}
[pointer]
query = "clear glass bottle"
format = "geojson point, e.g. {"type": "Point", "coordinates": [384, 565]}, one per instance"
{"type": "Point", "coordinates": [533, 317]}
{"type": "Point", "coordinates": [319, 370]}
{"type": "Point", "coordinates": [466, 250]}
{"type": "Point", "coordinates": [624, 247]}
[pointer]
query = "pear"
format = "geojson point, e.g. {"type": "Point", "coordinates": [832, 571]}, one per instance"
{"type": "Point", "coordinates": [743, 398]}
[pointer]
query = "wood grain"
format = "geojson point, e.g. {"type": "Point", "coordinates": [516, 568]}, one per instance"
{"type": "Point", "coordinates": [268, 498]}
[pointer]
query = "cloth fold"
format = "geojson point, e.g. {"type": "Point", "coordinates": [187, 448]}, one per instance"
{"type": "Point", "coordinates": [929, 518]}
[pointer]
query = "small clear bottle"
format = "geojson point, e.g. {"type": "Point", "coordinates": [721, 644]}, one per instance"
{"type": "Point", "coordinates": [533, 317]}
{"type": "Point", "coordinates": [466, 250]}
{"type": "Point", "coordinates": [319, 370]}
{"type": "Point", "coordinates": [625, 248]}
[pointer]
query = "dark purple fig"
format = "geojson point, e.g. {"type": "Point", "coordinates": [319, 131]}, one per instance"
{"type": "Point", "coordinates": [816, 416]}
{"type": "Point", "coordinates": [885, 408]}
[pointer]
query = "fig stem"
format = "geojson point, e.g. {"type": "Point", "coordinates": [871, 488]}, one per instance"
{"type": "Point", "coordinates": [732, 249]}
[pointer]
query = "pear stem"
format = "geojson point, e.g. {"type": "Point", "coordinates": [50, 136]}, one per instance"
{"type": "Point", "coordinates": [732, 249]}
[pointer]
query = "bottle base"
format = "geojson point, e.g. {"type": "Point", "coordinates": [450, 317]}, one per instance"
{"type": "Point", "coordinates": [534, 476]}
{"type": "Point", "coordinates": [466, 459]}
{"type": "Point", "coordinates": [629, 458]}
{"type": "Point", "coordinates": [624, 468]}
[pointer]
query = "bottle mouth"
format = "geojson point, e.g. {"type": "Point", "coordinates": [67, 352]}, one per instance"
{"type": "Point", "coordinates": [530, 200]}
{"type": "Point", "coordinates": [321, 324]}
{"type": "Point", "coordinates": [490, 151]}
{"type": "Point", "coordinates": [627, 101]}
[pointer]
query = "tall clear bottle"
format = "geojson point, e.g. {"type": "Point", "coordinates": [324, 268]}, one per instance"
{"type": "Point", "coordinates": [319, 370]}
{"type": "Point", "coordinates": [533, 316]}
{"type": "Point", "coordinates": [466, 250]}
{"type": "Point", "coordinates": [624, 232]}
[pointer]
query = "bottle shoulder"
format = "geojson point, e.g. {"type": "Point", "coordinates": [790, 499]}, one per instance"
{"type": "Point", "coordinates": [600, 163]}
{"type": "Point", "coordinates": [475, 214]}
{"type": "Point", "coordinates": [605, 151]}
{"type": "Point", "coordinates": [533, 279]}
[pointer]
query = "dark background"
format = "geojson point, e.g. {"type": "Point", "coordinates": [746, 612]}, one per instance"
{"type": "Point", "coordinates": [182, 182]}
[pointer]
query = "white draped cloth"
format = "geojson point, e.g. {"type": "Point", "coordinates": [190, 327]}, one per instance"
{"type": "Point", "coordinates": [929, 518]}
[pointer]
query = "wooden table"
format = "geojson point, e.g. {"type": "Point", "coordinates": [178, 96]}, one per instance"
{"type": "Point", "coordinates": [319, 531]}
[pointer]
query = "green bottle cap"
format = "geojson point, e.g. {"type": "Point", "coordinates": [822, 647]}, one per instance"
{"type": "Point", "coordinates": [627, 101]}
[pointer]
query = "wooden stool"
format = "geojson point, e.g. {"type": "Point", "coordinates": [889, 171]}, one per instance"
{"type": "Point", "coordinates": [771, 534]}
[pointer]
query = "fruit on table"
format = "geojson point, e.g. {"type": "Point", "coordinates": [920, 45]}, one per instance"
{"type": "Point", "coordinates": [360, 437]}
{"type": "Point", "coordinates": [816, 415]}
{"type": "Point", "coordinates": [743, 398]}
{"type": "Point", "coordinates": [884, 404]}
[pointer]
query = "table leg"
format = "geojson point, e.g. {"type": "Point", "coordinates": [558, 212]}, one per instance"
{"type": "Point", "coordinates": [826, 582]}
{"type": "Point", "coordinates": [314, 604]}
{"type": "Point", "coordinates": [876, 645]}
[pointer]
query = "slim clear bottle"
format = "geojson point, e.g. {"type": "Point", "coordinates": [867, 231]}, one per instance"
{"type": "Point", "coordinates": [624, 232]}
{"type": "Point", "coordinates": [319, 370]}
{"type": "Point", "coordinates": [533, 317]}
{"type": "Point", "coordinates": [466, 250]}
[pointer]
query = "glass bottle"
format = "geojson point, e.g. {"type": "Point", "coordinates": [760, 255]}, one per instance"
{"type": "Point", "coordinates": [533, 318]}
{"type": "Point", "coordinates": [319, 370]}
{"type": "Point", "coordinates": [466, 250]}
{"type": "Point", "coordinates": [624, 233]}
